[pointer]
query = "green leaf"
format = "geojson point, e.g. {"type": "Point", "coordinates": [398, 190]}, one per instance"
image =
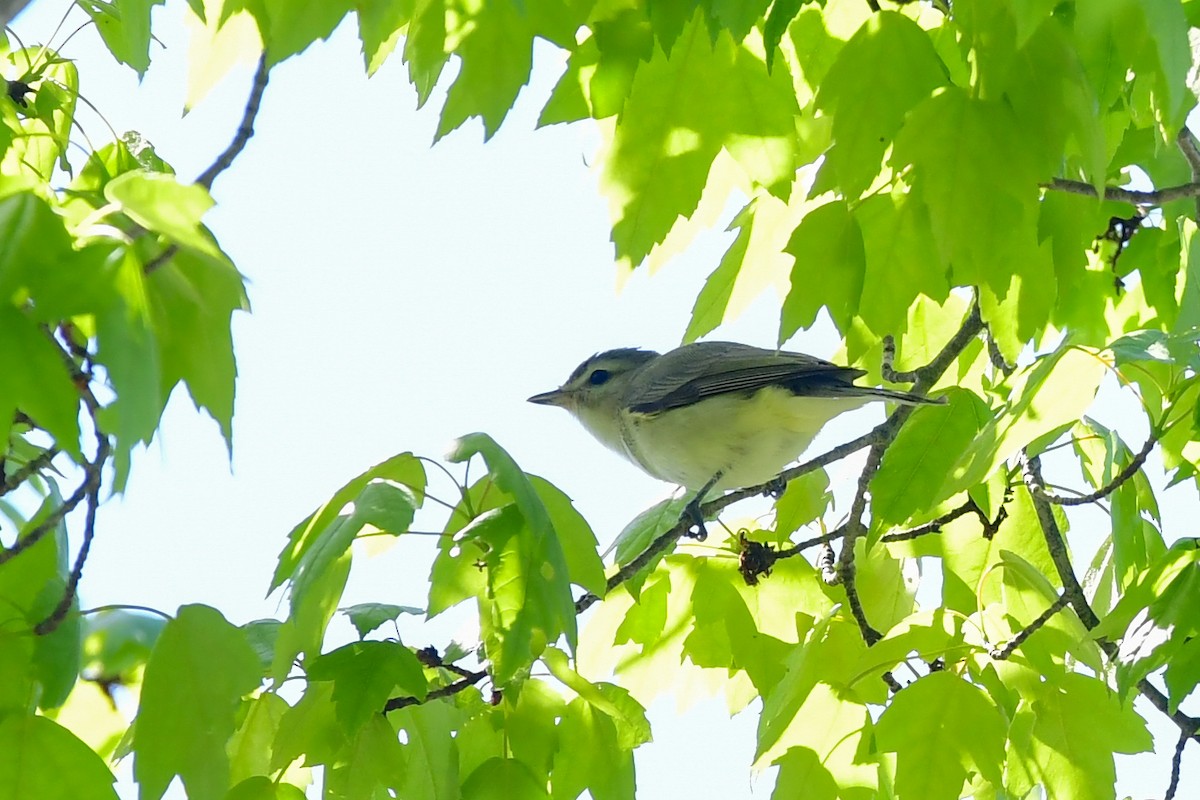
{"type": "Point", "coordinates": [365, 675]}
{"type": "Point", "coordinates": [404, 469]}
{"type": "Point", "coordinates": [668, 19]}
{"type": "Point", "coordinates": [200, 663]}
{"type": "Point", "coordinates": [520, 613]}
{"type": "Point", "coordinates": [680, 112]}
{"type": "Point", "coordinates": [433, 750]}
{"type": "Point", "coordinates": [756, 259]}
{"type": "Point", "coordinates": [607, 772]}
{"type": "Point", "coordinates": [380, 23]}
{"type": "Point", "coordinates": [641, 531]}
{"type": "Point", "coordinates": [801, 774]}
{"type": "Point", "coordinates": [159, 203]}
{"type": "Point", "coordinates": [34, 380]}
{"type": "Point", "coordinates": [289, 26]}
{"type": "Point", "coordinates": [901, 261]}
{"type": "Point", "coordinates": [1183, 673]}
{"type": "Point", "coordinates": [39, 758]}
{"type": "Point", "coordinates": [575, 535]}
{"type": "Point", "coordinates": [260, 787]}
{"type": "Point", "coordinates": [826, 658]}
{"type": "Point", "coordinates": [366, 617]}
{"type": "Point", "coordinates": [503, 779]}
{"type": "Point", "coordinates": [1052, 392]}
{"type": "Point", "coordinates": [494, 41]}
{"type": "Point", "coordinates": [124, 25]}
{"type": "Point", "coordinates": [1162, 628]}
{"type": "Point", "coordinates": [977, 180]}
{"type": "Point", "coordinates": [778, 19]}
{"type": "Point", "coordinates": [868, 97]}
{"type": "Point", "coordinates": [1077, 725]}
{"type": "Point", "coordinates": [600, 71]}
{"type": "Point", "coordinates": [42, 272]}
{"type": "Point", "coordinates": [829, 270]}
{"type": "Point", "coordinates": [528, 580]}
{"type": "Point", "coordinates": [836, 728]}
{"type": "Point", "coordinates": [738, 16]}
{"type": "Point", "coordinates": [250, 746]}
{"type": "Point", "coordinates": [309, 729]}
{"type": "Point", "coordinates": [425, 47]}
{"type": "Point", "coordinates": [311, 610]}
{"type": "Point", "coordinates": [117, 643]}
{"type": "Point", "coordinates": [910, 479]}
{"type": "Point", "coordinates": [262, 635]}
{"type": "Point", "coordinates": [805, 499]}
{"type": "Point", "coordinates": [940, 727]}
{"type": "Point", "coordinates": [373, 766]}
{"type": "Point", "coordinates": [192, 300]}
{"type": "Point", "coordinates": [319, 575]}
{"type": "Point", "coordinates": [128, 349]}
{"type": "Point", "coordinates": [1187, 283]}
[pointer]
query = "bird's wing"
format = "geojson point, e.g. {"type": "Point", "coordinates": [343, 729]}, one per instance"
{"type": "Point", "coordinates": [686, 375]}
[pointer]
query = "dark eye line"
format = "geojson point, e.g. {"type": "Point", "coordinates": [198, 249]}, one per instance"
{"type": "Point", "coordinates": [599, 377]}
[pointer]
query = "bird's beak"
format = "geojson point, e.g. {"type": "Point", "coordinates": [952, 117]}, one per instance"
{"type": "Point", "coordinates": [554, 398]}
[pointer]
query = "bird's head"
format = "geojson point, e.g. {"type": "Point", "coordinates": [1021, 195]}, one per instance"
{"type": "Point", "coordinates": [598, 384]}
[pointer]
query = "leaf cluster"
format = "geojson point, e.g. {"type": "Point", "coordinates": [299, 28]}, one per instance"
{"type": "Point", "coordinates": [961, 189]}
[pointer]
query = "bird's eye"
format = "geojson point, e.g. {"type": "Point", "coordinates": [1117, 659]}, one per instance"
{"type": "Point", "coordinates": [598, 377]}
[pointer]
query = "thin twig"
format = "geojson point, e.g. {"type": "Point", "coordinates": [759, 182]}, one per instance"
{"type": "Point", "coordinates": [887, 367]}
{"type": "Point", "coordinates": [245, 131]}
{"type": "Point", "coordinates": [1002, 653]}
{"type": "Point", "coordinates": [56, 616]}
{"type": "Point", "coordinates": [224, 161]}
{"type": "Point", "coordinates": [52, 519]}
{"type": "Point", "coordinates": [1176, 764]}
{"type": "Point", "coordinates": [669, 537]}
{"type": "Point", "coordinates": [446, 691]}
{"type": "Point", "coordinates": [1056, 545]}
{"type": "Point", "coordinates": [35, 464]}
{"type": "Point", "coordinates": [933, 526]}
{"type": "Point", "coordinates": [1156, 197]}
{"type": "Point", "coordinates": [1191, 151]}
{"type": "Point", "coordinates": [1122, 477]}
{"type": "Point", "coordinates": [926, 377]}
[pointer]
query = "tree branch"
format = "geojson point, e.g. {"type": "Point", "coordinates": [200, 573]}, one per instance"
{"type": "Point", "coordinates": [1176, 763]}
{"type": "Point", "coordinates": [224, 161]}
{"type": "Point", "coordinates": [446, 691]}
{"type": "Point", "coordinates": [1002, 653]}
{"type": "Point", "coordinates": [245, 131]}
{"type": "Point", "coordinates": [933, 526]}
{"type": "Point", "coordinates": [1157, 197]}
{"type": "Point", "coordinates": [926, 377]}
{"type": "Point", "coordinates": [1056, 545]}
{"type": "Point", "coordinates": [1191, 151]}
{"type": "Point", "coordinates": [1121, 478]}
{"type": "Point", "coordinates": [35, 464]}
{"type": "Point", "coordinates": [708, 509]}
{"type": "Point", "coordinates": [56, 616]}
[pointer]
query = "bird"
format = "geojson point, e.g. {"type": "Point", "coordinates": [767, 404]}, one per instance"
{"type": "Point", "coordinates": [712, 416]}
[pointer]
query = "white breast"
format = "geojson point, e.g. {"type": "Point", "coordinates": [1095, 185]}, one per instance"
{"type": "Point", "coordinates": [748, 440]}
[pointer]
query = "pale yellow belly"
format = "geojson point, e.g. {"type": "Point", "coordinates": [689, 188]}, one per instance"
{"type": "Point", "coordinates": [748, 440]}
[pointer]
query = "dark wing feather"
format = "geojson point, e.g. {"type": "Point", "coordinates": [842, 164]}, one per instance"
{"type": "Point", "coordinates": [684, 376]}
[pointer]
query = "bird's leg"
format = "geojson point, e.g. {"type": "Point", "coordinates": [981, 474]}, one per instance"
{"type": "Point", "coordinates": [693, 514]}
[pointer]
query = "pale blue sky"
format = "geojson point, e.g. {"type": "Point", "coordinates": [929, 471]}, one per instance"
{"type": "Point", "coordinates": [403, 295]}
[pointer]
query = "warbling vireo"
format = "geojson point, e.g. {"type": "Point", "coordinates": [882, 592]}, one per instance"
{"type": "Point", "coordinates": [711, 415]}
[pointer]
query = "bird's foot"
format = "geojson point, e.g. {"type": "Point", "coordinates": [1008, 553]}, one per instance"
{"type": "Point", "coordinates": [775, 488]}
{"type": "Point", "coordinates": [695, 517]}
